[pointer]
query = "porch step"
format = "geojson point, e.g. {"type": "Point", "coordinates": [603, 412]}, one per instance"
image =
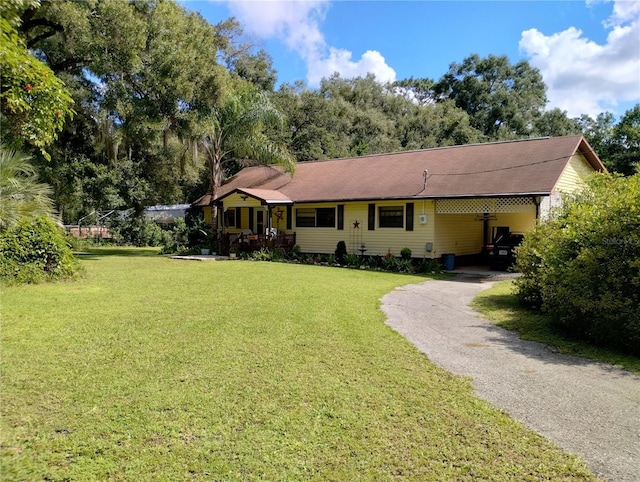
{"type": "Point", "coordinates": [202, 257]}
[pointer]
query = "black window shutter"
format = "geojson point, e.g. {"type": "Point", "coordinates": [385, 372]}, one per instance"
{"type": "Point", "coordinates": [341, 216]}
{"type": "Point", "coordinates": [371, 221]}
{"type": "Point", "coordinates": [238, 218]}
{"type": "Point", "coordinates": [251, 219]}
{"type": "Point", "coordinates": [409, 217]}
{"type": "Point", "coordinates": [289, 216]}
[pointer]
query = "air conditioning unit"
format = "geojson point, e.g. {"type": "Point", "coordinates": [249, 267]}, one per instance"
{"type": "Point", "coordinates": [423, 219]}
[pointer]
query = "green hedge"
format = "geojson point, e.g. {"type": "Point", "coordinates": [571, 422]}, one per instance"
{"type": "Point", "coordinates": [139, 231]}
{"type": "Point", "coordinates": [35, 249]}
{"type": "Point", "coordinates": [582, 266]}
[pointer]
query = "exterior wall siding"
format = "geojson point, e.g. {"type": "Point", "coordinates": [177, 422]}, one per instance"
{"type": "Point", "coordinates": [458, 234]}
{"type": "Point", "coordinates": [517, 222]}
{"type": "Point", "coordinates": [459, 228]}
{"type": "Point", "coordinates": [574, 174]}
{"type": "Point", "coordinates": [279, 221]}
{"type": "Point", "coordinates": [378, 241]}
{"type": "Point", "coordinates": [576, 170]}
{"type": "Point", "coordinates": [549, 203]}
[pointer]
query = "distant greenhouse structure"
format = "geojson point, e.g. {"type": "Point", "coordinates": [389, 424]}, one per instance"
{"type": "Point", "coordinates": [166, 214]}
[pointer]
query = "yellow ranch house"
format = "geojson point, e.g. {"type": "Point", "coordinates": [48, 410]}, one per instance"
{"type": "Point", "coordinates": [449, 200]}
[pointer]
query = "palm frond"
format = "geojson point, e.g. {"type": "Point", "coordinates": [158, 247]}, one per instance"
{"type": "Point", "coordinates": [21, 194]}
{"type": "Point", "coordinates": [235, 130]}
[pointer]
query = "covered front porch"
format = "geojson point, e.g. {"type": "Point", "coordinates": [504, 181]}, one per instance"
{"type": "Point", "coordinates": [246, 243]}
{"type": "Point", "coordinates": [254, 219]}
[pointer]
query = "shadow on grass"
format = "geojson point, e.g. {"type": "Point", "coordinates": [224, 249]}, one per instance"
{"type": "Point", "coordinates": [97, 253]}
{"type": "Point", "coordinates": [501, 305]}
{"type": "Point", "coordinates": [506, 303]}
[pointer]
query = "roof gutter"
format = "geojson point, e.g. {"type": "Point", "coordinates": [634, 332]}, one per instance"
{"type": "Point", "coordinates": [429, 197]}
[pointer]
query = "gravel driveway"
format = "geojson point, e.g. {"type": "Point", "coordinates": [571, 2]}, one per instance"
{"type": "Point", "coordinates": [587, 408]}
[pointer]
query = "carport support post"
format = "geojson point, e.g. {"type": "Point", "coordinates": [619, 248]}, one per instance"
{"type": "Point", "coordinates": [485, 230]}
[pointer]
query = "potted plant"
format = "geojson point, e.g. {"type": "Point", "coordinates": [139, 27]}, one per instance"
{"type": "Point", "coordinates": [209, 243]}
{"type": "Point", "coordinates": [233, 252]}
{"type": "Point", "coordinates": [203, 241]}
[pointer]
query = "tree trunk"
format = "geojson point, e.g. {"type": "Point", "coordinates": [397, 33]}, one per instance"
{"type": "Point", "coordinates": [216, 182]}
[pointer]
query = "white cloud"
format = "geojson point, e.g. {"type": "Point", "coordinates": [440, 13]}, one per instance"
{"type": "Point", "coordinates": [339, 60]}
{"type": "Point", "coordinates": [297, 23]}
{"type": "Point", "coordinates": [584, 77]}
{"type": "Point", "coordinates": [624, 11]}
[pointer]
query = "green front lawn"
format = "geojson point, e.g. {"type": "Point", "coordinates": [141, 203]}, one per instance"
{"type": "Point", "coordinates": [157, 369]}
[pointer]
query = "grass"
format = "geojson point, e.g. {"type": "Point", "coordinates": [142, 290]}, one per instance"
{"type": "Point", "coordinates": [500, 304]}
{"type": "Point", "coordinates": [157, 369]}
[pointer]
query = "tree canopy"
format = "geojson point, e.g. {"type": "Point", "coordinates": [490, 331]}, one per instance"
{"type": "Point", "coordinates": [503, 100]}
{"type": "Point", "coordinates": [618, 145]}
{"type": "Point", "coordinates": [117, 102]}
{"type": "Point", "coordinates": [34, 103]}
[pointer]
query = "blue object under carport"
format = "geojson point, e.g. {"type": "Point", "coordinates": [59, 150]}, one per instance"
{"type": "Point", "coordinates": [449, 261]}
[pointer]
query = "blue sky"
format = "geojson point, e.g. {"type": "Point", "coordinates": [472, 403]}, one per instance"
{"type": "Point", "coordinates": [587, 51]}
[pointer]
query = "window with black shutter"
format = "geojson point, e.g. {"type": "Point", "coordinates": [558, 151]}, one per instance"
{"type": "Point", "coordinates": [409, 217]}
{"type": "Point", "coordinates": [391, 216]}
{"type": "Point", "coordinates": [305, 218]}
{"type": "Point", "coordinates": [371, 219]}
{"type": "Point", "coordinates": [316, 217]}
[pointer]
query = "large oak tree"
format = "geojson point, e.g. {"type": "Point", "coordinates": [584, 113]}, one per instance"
{"type": "Point", "coordinates": [502, 99]}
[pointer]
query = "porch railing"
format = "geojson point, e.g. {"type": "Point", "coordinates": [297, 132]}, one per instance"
{"type": "Point", "coordinates": [246, 243]}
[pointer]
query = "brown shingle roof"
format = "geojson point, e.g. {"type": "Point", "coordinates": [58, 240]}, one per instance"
{"type": "Point", "coordinates": [524, 167]}
{"type": "Point", "coordinates": [270, 196]}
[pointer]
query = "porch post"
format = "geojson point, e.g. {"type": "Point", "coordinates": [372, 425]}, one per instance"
{"type": "Point", "coordinates": [223, 226]}
{"type": "Point", "coordinates": [221, 234]}
{"type": "Point", "coordinates": [267, 234]}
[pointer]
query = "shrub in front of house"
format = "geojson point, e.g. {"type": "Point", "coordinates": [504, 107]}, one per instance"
{"type": "Point", "coordinates": [139, 231]}
{"type": "Point", "coordinates": [428, 266]}
{"type": "Point", "coordinates": [397, 265]}
{"type": "Point", "coordinates": [189, 237]}
{"type": "Point", "coordinates": [352, 260]}
{"type": "Point", "coordinates": [296, 251]}
{"type": "Point", "coordinates": [177, 241]}
{"type": "Point", "coordinates": [582, 266]}
{"type": "Point", "coordinates": [35, 249]}
{"type": "Point", "coordinates": [341, 251]}
{"type": "Point", "coordinates": [373, 262]}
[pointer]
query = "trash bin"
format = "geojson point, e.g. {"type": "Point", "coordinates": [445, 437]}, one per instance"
{"type": "Point", "coordinates": [449, 261]}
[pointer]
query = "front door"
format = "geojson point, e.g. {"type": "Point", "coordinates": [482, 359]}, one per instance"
{"type": "Point", "coordinates": [260, 225]}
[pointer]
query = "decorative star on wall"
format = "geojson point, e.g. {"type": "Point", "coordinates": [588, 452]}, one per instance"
{"type": "Point", "coordinates": [356, 224]}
